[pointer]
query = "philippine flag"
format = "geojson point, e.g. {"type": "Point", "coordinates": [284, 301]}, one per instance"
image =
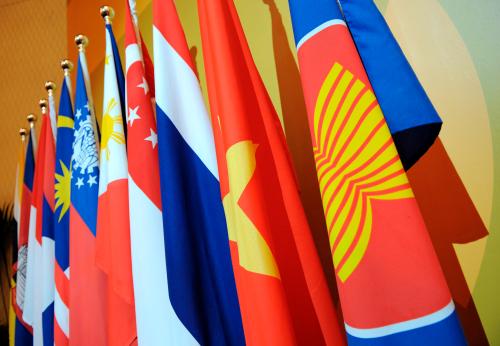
{"type": "Point", "coordinates": [201, 283]}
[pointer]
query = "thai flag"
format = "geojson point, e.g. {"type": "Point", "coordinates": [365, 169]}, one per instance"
{"type": "Point", "coordinates": [88, 313]}
{"type": "Point", "coordinates": [23, 334]}
{"type": "Point", "coordinates": [39, 294]}
{"type": "Point", "coordinates": [201, 283]}
{"type": "Point", "coordinates": [113, 227]}
{"type": "Point", "coordinates": [391, 286]}
{"type": "Point", "coordinates": [64, 143]}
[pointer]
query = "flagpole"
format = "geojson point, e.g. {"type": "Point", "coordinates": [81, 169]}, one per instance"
{"type": "Point", "coordinates": [50, 86]}
{"type": "Point", "coordinates": [67, 67]}
{"type": "Point", "coordinates": [32, 121]}
{"type": "Point", "coordinates": [82, 42]}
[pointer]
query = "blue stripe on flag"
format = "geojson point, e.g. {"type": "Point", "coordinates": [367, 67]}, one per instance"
{"type": "Point", "coordinates": [308, 15]}
{"type": "Point", "coordinates": [200, 275]}
{"type": "Point", "coordinates": [120, 78]}
{"type": "Point", "coordinates": [444, 333]}
{"type": "Point", "coordinates": [48, 325]}
{"type": "Point", "coordinates": [47, 220]}
{"type": "Point", "coordinates": [29, 165]}
{"type": "Point", "coordinates": [22, 336]}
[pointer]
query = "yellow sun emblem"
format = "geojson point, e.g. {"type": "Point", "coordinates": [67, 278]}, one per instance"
{"type": "Point", "coordinates": [63, 189]}
{"type": "Point", "coordinates": [108, 127]}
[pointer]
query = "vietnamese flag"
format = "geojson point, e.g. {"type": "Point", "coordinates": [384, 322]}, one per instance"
{"type": "Point", "coordinates": [282, 290]}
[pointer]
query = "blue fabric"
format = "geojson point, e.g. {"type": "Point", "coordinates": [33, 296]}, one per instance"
{"type": "Point", "coordinates": [63, 157]}
{"type": "Point", "coordinates": [85, 159]}
{"type": "Point", "coordinates": [22, 337]}
{"type": "Point", "coordinates": [200, 275]}
{"type": "Point", "coordinates": [47, 220]}
{"type": "Point", "coordinates": [48, 325]}
{"type": "Point", "coordinates": [404, 102]}
{"type": "Point", "coordinates": [444, 333]}
{"type": "Point", "coordinates": [308, 15]}
{"type": "Point", "coordinates": [29, 165]}
{"type": "Point", "coordinates": [120, 78]}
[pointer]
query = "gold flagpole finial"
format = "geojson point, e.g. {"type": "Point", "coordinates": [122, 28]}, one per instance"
{"type": "Point", "coordinates": [43, 105]}
{"type": "Point", "coordinates": [22, 133]}
{"type": "Point", "coordinates": [67, 66]}
{"type": "Point", "coordinates": [81, 42]}
{"type": "Point", "coordinates": [31, 119]}
{"type": "Point", "coordinates": [50, 86]}
{"type": "Point", "coordinates": [107, 13]}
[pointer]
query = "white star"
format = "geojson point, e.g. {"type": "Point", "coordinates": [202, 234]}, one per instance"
{"type": "Point", "coordinates": [79, 183]}
{"type": "Point", "coordinates": [78, 113]}
{"type": "Point", "coordinates": [87, 106]}
{"type": "Point", "coordinates": [132, 115]}
{"type": "Point", "coordinates": [92, 180]}
{"type": "Point", "coordinates": [144, 85]}
{"type": "Point", "coordinates": [153, 138]}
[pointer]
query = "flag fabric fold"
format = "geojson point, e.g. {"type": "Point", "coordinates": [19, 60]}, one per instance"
{"type": "Point", "coordinates": [410, 115]}
{"type": "Point", "coordinates": [88, 310]}
{"type": "Point", "coordinates": [23, 332]}
{"type": "Point", "coordinates": [65, 123]}
{"type": "Point", "coordinates": [38, 305]}
{"type": "Point", "coordinates": [156, 319]}
{"type": "Point", "coordinates": [201, 284]}
{"type": "Point", "coordinates": [283, 295]}
{"type": "Point", "coordinates": [113, 224]}
{"type": "Point", "coordinates": [391, 286]}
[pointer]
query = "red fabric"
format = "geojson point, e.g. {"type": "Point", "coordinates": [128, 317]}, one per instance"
{"type": "Point", "coordinates": [297, 307]}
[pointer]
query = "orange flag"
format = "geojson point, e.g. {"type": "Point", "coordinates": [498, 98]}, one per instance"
{"type": "Point", "coordinates": [284, 298]}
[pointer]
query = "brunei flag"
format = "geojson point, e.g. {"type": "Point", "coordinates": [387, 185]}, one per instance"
{"type": "Point", "coordinates": [23, 332]}
{"type": "Point", "coordinates": [391, 286]}
{"type": "Point", "coordinates": [61, 221]}
{"type": "Point", "coordinates": [87, 313]}
{"type": "Point", "coordinates": [201, 287]}
{"type": "Point", "coordinates": [283, 295]}
{"type": "Point", "coordinates": [410, 115]}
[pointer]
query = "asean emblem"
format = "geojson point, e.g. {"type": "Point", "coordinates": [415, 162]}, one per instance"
{"type": "Point", "coordinates": [357, 163]}
{"type": "Point", "coordinates": [84, 148]}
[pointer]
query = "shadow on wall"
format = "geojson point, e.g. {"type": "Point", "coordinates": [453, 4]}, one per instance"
{"type": "Point", "coordinates": [451, 218]}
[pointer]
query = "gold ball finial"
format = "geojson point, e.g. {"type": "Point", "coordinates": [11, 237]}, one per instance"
{"type": "Point", "coordinates": [81, 42]}
{"type": "Point", "coordinates": [31, 119]}
{"type": "Point", "coordinates": [107, 13]}
{"type": "Point", "coordinates": [67, 66]}
{"type": "Point", "coordinates": [22, 132]}
{"type": "Point", "coordinates": [43, 105]}
{"type": "Point", "coordinates": [50, 86]}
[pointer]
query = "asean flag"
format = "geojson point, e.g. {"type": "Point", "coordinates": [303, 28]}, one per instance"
{"type": "Point", "coordinates": [113, 224]}
{"type": "Point", "coordinates": [282, 290]}
{"type": "Point", "coordinates": [391, 286]}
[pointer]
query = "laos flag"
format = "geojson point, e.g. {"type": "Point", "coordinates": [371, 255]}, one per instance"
{"type": "Point", "coordinates": [391, 286]}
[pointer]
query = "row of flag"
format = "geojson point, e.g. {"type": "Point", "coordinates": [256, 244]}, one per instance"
{"type": "Point", "coordinates": [169, 224]}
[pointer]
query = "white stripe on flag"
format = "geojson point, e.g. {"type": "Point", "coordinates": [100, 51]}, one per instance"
{"type": "Point", "coordinates": [61, 313]}
{"type": "Point", "coordinates": [156, 318]}
{"type": "Point", "coordinates": [178, 94]}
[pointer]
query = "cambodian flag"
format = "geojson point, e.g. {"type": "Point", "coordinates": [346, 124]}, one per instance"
{"type": "Point", "coordinates": [39, 294]}
{"type": "Point", "coordinates": [63, 201]}
{"type": "Point", "coordinates": [391, 286]}
{"type": "Point", "coordinates": [410, 115]}
{"type": "Point", "coordinates": [201, 284]}
{"type": "Point", "coordinates": [23, 334]}
{"type": "Point", "coordinates": [88, 313]}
